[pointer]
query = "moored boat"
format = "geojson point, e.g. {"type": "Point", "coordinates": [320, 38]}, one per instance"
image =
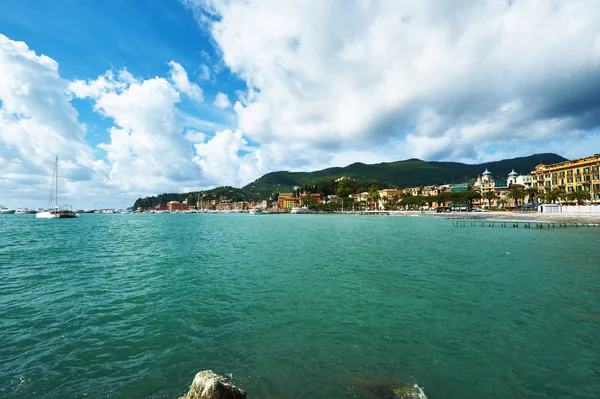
{"type": "Point", "coordinates": [6, 211]}
{"type": "Point", "coordinates": [300, 210]}
{"type": "Point", "coordinates": [57, 212]}
{"type": "Point", "coordinates": [22, 211]}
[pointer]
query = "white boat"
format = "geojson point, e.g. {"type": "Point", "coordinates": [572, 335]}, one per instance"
{"type": "Point", "coordinates": [22, 211]}
{"type": "Point", "coordinates": [255, 211]}
{"type": "Point", "coordinates": [299, 210]}
{"type": "Point", "coordinates": [6, 211]}
{"type": "Point", "coordinates": [58, 212]}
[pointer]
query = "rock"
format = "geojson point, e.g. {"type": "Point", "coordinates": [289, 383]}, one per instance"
{"type": "Point", "coordinates": [387, 389]}
{"type": "Point", "coordinates": [208, 385]}
{"type": "Point", "coordinates": [409, 392]}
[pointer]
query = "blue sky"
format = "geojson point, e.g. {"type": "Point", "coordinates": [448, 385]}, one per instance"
{"type": "Point", "coordinates": [87, 38]}
{"type": "Point", "coordinates": [143, 97]}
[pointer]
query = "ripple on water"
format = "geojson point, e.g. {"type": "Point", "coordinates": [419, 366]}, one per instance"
{"type": "Point", "coordinates": [295, 306]}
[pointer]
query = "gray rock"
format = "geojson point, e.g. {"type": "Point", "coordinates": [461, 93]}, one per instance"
{"type": "Point", "coordinates": [208, 385]}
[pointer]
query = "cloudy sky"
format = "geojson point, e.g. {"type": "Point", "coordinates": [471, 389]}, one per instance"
{"type": "Point", "coordinates": [139, 98]}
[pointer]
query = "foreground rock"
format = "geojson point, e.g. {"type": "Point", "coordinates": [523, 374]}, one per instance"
{"type": "Point", "coordinates": [208, 385]}
{"type": "Point", "coordinates": [409, 392]}
{"type": "Point", "coordinates": [390, 389]}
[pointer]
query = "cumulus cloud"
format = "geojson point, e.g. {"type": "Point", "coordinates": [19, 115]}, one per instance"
{"type": "Point", "coordinates": [37, 123]}
{"type": "Point", "coordinates": [227, 159]}
{"type": "Point", "coordinates": [179, 77]}
{"type": "Point", "coordinates": [222, 101]}
{"type": "Point", "coordinates": [442, 79]}
{"type": "Point", "coordinates": [149, 148]}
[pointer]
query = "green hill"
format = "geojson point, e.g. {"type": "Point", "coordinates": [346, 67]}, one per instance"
{"type": "Point", "coordinates": [401, 174]}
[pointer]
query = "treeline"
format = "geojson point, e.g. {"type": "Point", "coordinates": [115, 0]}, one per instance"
{"type": "Point", "coordinates": [343, 187]}
{"type": "Point", "coordinates": [404, 201]}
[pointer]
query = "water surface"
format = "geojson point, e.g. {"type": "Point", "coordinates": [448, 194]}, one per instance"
{"type": "Point", "coordinates": [296, 306]}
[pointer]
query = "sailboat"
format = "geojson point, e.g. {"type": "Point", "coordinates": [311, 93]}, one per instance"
{"type": "Point", "coordinates": [57, 212]}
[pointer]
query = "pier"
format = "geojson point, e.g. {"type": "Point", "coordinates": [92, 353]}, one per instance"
{"type": "Point", "coordinates": [516, 224]}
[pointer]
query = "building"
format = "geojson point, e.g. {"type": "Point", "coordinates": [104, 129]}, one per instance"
{"type": "Point", "coordinates": [309, 197]}
{"type": "Point", "coordinates": [177, 206]}
{"type": "Point", "coordinates": [281, 199]}
{"type": "Point", "coordinates": [581, 174]}
{"type": "Point", "coordinates": [344, 178]}
{"type": "Point", "coordinates": [459, 188]}
{"type": "Point", "coordinates": [389, 193]}
{"type": "Point", "coordinates": [501, 187]}
{"type": "Point", "coordinates": [290, 202]}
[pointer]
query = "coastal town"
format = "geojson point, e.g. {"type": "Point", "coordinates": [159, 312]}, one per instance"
{"type": "Point", "coordinates": [570, 186]}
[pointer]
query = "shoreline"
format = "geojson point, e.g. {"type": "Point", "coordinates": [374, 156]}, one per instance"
{"type": "Point", "coordinates": [581, 218]}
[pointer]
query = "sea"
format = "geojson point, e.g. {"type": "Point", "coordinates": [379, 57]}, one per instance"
{"type": "Point", "coordinates": [296, 306]}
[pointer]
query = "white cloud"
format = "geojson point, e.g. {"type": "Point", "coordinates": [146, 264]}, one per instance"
{"type": "Point", "coordinates": [433, 74]}
{"type": "Point", "coordinates": [149, 148]}
{"type": "Point", "coordinates": [222, 101]}
{"type": "Point", "coordinates": [147, 151]}
{"type": "Point", "coordinates": [178, 76]}
{"type": "Point", "coordinates": [226, 159]}
{"type": "Point", "coordinates": [204, 72]}
{"type": "Point", "coordinates": [37, 123]}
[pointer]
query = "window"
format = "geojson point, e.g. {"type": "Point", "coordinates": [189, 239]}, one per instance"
{"type": "Point", "coordinates": [569, 180]}
{"type": "Point", "coordinates": [578, 179]}
{"type": "Point", "coordinates": [586, 170]}
{"type": "Point", "coordinates": [569, 173]}
{"type": "Point", "coordinates": [554, 175]}
{"type": "Point", "coordinates": [578, 171]}
{"type": "Point", "coordinates": [547, 176]}
{"type": "Point", "coordinates": [562, 182]}
{"type": "Point", "coordinates": [570, 189]}
{"type": "Point", "coordinates": [562, 174]}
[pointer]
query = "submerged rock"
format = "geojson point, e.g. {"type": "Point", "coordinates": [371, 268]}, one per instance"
{"type": "Point", "coordinates": [391, 389]}
{"type": "Point", "coordinates": [409, 392]}
{"type": "Point", "coordinates": [208, 385]}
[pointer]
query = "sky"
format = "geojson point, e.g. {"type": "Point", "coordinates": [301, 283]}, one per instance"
{"type": "Point", "coordinates": [138, 98]}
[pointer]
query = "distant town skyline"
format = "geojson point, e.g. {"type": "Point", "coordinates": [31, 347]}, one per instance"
{"type": "Point", "coordinates": [140, 98]}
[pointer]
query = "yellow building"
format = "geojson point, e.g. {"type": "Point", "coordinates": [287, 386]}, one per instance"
{"type": "Point", "coordinates": [577, 175]}
{"type": "Point", "coordinates": [389, 193]}
{"type": "Point", "coordinates": [290, 202]}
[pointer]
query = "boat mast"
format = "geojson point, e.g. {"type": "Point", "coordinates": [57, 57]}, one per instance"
{"type": "Point", "coordinates": [56, 182]}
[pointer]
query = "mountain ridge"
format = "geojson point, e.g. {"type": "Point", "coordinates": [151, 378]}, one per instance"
{"type": "Point", "coordinates": [404, 173]}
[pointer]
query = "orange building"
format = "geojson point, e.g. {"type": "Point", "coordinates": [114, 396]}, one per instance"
{"type": "Point", "coordinates": [177, 206]}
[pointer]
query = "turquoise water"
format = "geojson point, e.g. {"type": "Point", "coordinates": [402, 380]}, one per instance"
{"type": "Point", "coordinates": [296, 306]}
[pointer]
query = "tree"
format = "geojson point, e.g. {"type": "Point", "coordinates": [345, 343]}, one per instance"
{"type": "Point", "coordinates": [516, 194]}
{"type": "Point", "coordinates": [579, 196]}
{"type": "Point", "coordinates": [343, 192]}
{"type": "Point", "coordinates": [532, 193]}
{"type": "Point", "coordinates": [489, 196]}
{"type": "Point", "coordinates": [470, 196]}
{"type": "Point", "coordinates": [555, 194]}
{"type": "Point", "coordinates": [374, 194]}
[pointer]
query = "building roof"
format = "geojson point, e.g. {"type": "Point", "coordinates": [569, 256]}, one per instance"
{"type": "Point", "coordinates": [486, 173]}
{"type": "Point", "coordinates": [513, 173]}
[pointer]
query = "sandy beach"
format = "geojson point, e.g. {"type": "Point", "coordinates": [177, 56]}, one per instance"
{"type": "Point", "coordinates": [580, 218]}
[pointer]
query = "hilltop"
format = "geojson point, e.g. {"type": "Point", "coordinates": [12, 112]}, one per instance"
{"type": "Point", "coordinates": [400, 174]}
